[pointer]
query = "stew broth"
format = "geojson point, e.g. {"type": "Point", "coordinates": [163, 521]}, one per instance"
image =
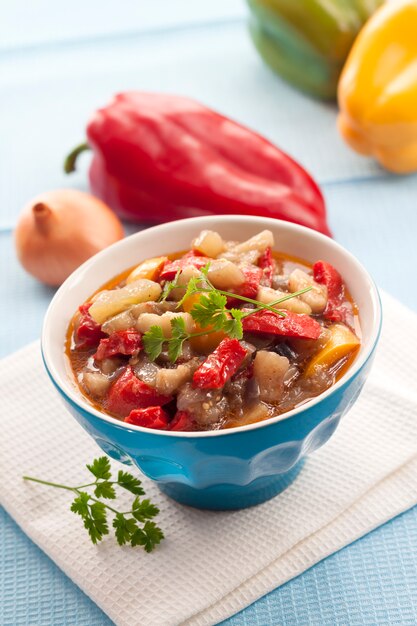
{"type": "Point", "coordinates": [282, 360]}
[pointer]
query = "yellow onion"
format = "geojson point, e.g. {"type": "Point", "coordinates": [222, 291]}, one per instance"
{"type": "Point", "coordinates": [58, 230]}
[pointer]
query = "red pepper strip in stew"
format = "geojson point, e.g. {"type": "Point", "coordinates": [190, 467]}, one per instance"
{"type": "Point", "coordinates": [292, 325]}
{"type": "Point", "coordinates": [248, 289]}
{"type": "Point", "coordinates": [220, 365]}
{"type": "Point", "coordinates": [128, 393]}
{"type": "Point", "coordinates": [325, 274]}
{"type": "Point", "coordinates": [159, 157]}
{"type": "Point", "coordinates": [126, 342]}
{"type": "Point", "coordinates": [266, 263]}
{"type": "Point", "coordinates": [88, 333]}
{"type": "Point", "coordinates": [151, 417]}
{"type": "Point", "coordinates": [190, 259]}
{"type": "Point", "coordinates": [182, 421]}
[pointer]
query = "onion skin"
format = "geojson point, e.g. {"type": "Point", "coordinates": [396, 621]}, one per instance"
{"type": "Point", "coordinates": [59, 230]}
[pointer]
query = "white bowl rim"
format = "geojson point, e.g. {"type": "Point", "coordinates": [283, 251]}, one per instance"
{"type": "Point", "coordinates": [78, 400]}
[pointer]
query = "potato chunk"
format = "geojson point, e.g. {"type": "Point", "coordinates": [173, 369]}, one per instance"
{"type": "Point", "coordinates": [268, 295]}
{"type": "Point", "coordinates": [316, 298]}
{"type": "Point", "coordinates": [127, 319]}
{"type": "Point", "coordinates": [224, 274]}
{"type": "Point", "coordinates": [168, 381]}
{"type": "Point", "coordinates": [146, 320]}
{"type": "Point", "coordinates": [208, 243]}
{"type": "Point", "coordinates": [95, 383]}
{"type": "Point", "coordinates": [259, 242]}
{"type": "Point", "coordinates": [111, 302]}
{"type": "Point", "coordinates": [121, 321]}
{"type": "Point", "coordinates": [183, 279]}
{"type": "Point", "coordinates": [269, 370]}
{"type": "Point", "coordinates": [250, 250]}
{"type": "Point", "coordinates": [255, 413]}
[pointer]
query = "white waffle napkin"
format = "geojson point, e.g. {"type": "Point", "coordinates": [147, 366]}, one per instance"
{"type": "Point", "coordinates": [211, 564]}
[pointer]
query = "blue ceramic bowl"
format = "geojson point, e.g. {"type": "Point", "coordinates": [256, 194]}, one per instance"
{"type": "Point", "coordinates": [225, 469]}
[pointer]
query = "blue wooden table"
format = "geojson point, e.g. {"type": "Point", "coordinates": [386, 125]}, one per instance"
{"type": "Point", "coordinates": [57, 63]}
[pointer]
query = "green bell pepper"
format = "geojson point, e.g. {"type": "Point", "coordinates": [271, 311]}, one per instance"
{"type": "Point", "coordinates": [307, 41]}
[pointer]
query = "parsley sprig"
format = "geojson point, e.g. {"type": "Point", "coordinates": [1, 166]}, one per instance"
{"type": "Point", "coordinates": [210, 313]}
{"type": "Point", "coordinates": [169, 286]}
{"type": "Point", "coordinates": [133, 526]}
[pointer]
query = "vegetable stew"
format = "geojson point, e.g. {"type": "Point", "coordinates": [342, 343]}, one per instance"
{"type": "Point", "coordinates": [226, 334]}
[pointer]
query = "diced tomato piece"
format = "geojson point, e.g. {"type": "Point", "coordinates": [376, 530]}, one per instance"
{"type": "Point", "coordinates": [126, 342]}
{"type": "Point", "coordinates": [192, 258]}
{"type": "Point", "coordinates": [88, 333]}
{"type": "Point", "coordinates": [266, 263]}
{"type": "Point", "coordinates": [292, 325]}
{"type": "Point", "coordinates": [128, 393]}
{"type": "Point", "coordinates": [151, 417]}
{"type": "Point", "coordinates": [220, 365]}
{"type": "Point", "coordinates": [337, 308]}
{"type": "Point", "coordinates": [182, 421]}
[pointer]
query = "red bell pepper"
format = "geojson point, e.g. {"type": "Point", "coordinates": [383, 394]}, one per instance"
{"type": "Point", "coordinates": [151, 417]}
{"type": "Point", "coordinates": [337, 309]}
{"type": "Point", "coordinates": [220, 365]}
{"type": "Point", "coordinates": [248, 289]}
{"type": "Point", "coordinates": [128, 393]}
{"type": "Point", "coordinates": [192, 259]}
{"type": "Point", "coordinates": [266, 263]}
{"type": "Point", "coordinates": [88, 333]}
{"type": "Point", "coordinates": [292, 325]}
{"type": "Point", "coordinates": [182, 421]}
{"type": "Point", "coordinates": [123, 342]}
{"type": "Point", "coordinates": [160, 157]}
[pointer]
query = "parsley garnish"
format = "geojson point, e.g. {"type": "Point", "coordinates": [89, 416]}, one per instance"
{"type": "Point", "coordinates": [169, 286]}
{"type": "Point", "coordinates": [133, 526]}
{"type": "Point", "coordinates": [153, 341]}
{"type": "Point", "coordinates": [210, 310]}
{"type": "Point", "coordinates": [233, 326]}
{"type": "Point", "coordinates": [179, 335]}
{"type": "Point", "coordinates": [210, 313]}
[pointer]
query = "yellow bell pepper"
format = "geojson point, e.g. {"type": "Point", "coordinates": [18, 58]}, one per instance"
{"type": "Point", "coordinates": [341, 343]}
{"type": "Point", "coordinates": [147, 269]}
{"type": "Point", "coordinates": [205, 343]}
{"type": "Point", "coordinates": [377, 91]}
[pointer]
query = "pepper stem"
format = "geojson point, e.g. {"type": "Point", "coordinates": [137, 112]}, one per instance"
{"type": "Point", "coordinates": [70, 161]}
